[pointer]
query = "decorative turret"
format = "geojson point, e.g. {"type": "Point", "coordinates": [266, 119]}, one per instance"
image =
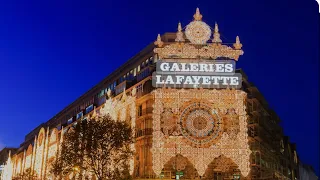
{"type": "Point", "coordinates": [197, 31]}
{"type": "Point", "coordinates": [179, 34]}
{"type": "Point", "coordinates": [237, 45]}
{"type": "Point", "coordinates": [216, 35]}
{"type": "Point", "coordinates": [203, 42]}
{"type": "Point", "coordinates": [158, 42]}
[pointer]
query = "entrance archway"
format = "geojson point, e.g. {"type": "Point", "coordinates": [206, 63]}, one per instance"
{"type": "Point", "coordinates": [222, 168]}
{"type": "Point", "coordinates": [179, 167]}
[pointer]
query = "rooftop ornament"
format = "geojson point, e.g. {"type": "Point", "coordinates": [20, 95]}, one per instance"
{"type": "Point", "coordinates": [198, 33]}
{"type": "Point", "coordinates": [237, 45]}
{"type": "Point", "coordinates": [179, 34]}
{"type": "Point", "coordinates": [216, 35]}
{"type": "Point", "coordinates": [158, 42]}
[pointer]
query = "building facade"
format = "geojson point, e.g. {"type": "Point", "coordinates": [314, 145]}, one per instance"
{"type": "Point", "coordinates": [4, 154]}
{"type": "Point", "coordinates": [181, 133]}
{"type": "Point", "coordinates": [307, 172]}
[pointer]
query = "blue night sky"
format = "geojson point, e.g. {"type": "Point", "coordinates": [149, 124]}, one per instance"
{"type": "Point", "coordinates": [52, 52]}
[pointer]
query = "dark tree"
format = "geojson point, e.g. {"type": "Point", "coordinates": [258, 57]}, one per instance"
{"type": "Point", "coordinates": [100, 146]}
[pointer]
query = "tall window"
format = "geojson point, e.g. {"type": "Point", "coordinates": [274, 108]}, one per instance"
{"type": "Point", "coordinates": [101, 93]}
{"type": "Point", "coordinates": [139, 90]}
{"type": "Point", "coordinates": [140, 110]}
{"type": "Point", "coordinates": [114, 84]}
{"type": "Point", "coordinates": [79, 115]}
{"type": "Point", "coordinates": [89, 108]}
{"type": "Point", "coordinates": [150, 60]}
{"type": "Point", "coordinates": [69, 121]}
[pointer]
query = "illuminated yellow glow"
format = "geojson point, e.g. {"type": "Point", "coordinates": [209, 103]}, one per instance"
{"type": "Point", "coordinates": [163, 148]}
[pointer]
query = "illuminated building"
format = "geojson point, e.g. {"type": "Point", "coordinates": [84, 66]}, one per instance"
{"type": "Point", "coordinates": [180, 132]}
{"type": "Point", "coordinates": [4, 154]}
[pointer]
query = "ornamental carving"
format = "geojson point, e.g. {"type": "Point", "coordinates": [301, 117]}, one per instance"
{"type": "Point", "coordinates": [198, 33]}
{"type": "Point", "coordinates": [212, 123]}
{"type": "Point", "coordinates": [189, 51]}
{"type": "Point", "coordinates": [179, 163]}
{"type": "Point", "coordinates": [53, 136]}
{"type": "Point", "coordinates": [39, 153]}
{"type": "Point", "coordinates": [200, 124]}
{"type": "Point", "coordinates": [169, 124]}
{"type": "Point", "coordinates": [222, 164]}
{"type": "Point", "coordinates": [29, 150]}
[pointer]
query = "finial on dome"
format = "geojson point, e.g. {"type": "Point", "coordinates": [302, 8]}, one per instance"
{"type": "Point", "coordinates": [179, 37]}
{"type": "Point", "coordinates": [158, 42]}
{"type": "Point", "coordinates": [179, 27]}
{"type": "Point", "coordinates": [216, 35]}
{"type": "Point", "coordinates": [216, 27]}
{"type": "Point", "coordinates": [197, 16]}
{"type": "Point", "coordinates": [237, 45]}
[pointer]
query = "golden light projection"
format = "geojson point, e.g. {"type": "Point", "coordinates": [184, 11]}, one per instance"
{"type": "Point", "coordinates": [123, 109]}
{"type": "Point", "coordinates": [44, 164]}
{"type": "Point", "coordinates": [203, 129]}
{"type": "Point", "coordinates": [198, 33]}
{"type": "Point", "coordinates": [199, 124]}
{"type": "Point", "coordinates": [53, 145]}
{"type": "Point", "coordinates": [28, 162]}
{"type": "Point", "coordinates": [202, 133]}
{"type": "Point", "coordinates": [28, 157]}
{"type": "Point", "coordinates": [8, 169]}
{"type": "Point", "coordinates": [188, 51]}
{"type": "Point", "coordinates": [39, 153]}
{"type": "Point", "coordinates": [18, 166]}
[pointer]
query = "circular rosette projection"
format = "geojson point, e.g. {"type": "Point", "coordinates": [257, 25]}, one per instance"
{"type": "Point", "coordinates": [200, 124]}
{"type": "Point", "coordinates": [198, 32]}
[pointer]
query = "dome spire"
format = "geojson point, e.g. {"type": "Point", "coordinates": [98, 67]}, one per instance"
{"type": "Point", "coordinates": [197, 16]}
{"type": "Point", "coordinates": [158, 42]}
{"type": "Point", "coordinates": [179, 34]}
{"type": "Point", "coordinates": [237, 45]}
{"type": "Point", "coordinates": [216, 35]}
{"type": "Point", "coordinates": [179, 27]}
